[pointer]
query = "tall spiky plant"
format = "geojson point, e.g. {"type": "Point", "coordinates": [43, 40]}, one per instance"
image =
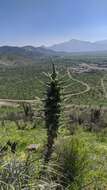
{"type": "Point", "coordinates": [52, 112]}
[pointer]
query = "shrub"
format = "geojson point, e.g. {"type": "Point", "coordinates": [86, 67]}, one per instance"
{"type": "Point", "coordinates": [16, 174]}
{"type": "Point", "coordinates": [52, 112]}
{"type": "Point", "coordinates": [70, 162]}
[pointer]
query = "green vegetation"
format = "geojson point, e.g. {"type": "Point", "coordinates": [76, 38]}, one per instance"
{"type": "Point", "coordinates": [74, 146]}
{"type": "Point", "coordinates": [52, 112]}
{"type": "Point", "coordinates": [27, 82]}
{"type": "Point", "coordinates": [78, 162]}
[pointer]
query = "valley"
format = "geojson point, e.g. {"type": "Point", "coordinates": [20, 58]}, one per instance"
{"type": "Point", "coordinates": [82, 123]}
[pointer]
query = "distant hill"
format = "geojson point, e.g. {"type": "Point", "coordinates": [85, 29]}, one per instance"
{"type": "Point", "coordinates": [24, 55]}
{"type": "Point", "coordinates": [80, 46]}
{"type": "Point", "coordinates": [27, 51]}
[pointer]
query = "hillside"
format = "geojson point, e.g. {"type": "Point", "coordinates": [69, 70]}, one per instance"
{"type": "Point", "coordinates": [24, 55]}
{"type": "Point", "coordinates": [75, 45]}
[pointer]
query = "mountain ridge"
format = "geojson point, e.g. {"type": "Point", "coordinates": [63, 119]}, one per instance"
{"type": "Point", "coordinates": [70, 46]}
{"type": "Point", "coordinates": [75, 45]}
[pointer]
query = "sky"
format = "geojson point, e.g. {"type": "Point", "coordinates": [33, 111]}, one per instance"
{"type": "Point", "coordinates": [47, 22]}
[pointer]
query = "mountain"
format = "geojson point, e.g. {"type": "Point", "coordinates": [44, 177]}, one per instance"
{"type": "Point", "coordinates": [24, 55]}
{"type": "Point", "coordinates": [26, 51]}
{"type": "Point", "coordinates": [80, 46]}
{"type": "Point", "coordinates": [31, 55]}
{"type": "Point", "coordinates": [101, 42]}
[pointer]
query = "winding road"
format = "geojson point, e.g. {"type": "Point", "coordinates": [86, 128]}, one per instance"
{"type": "Point", "coordinates": [103, 86]}
{"type": "Point", "coordinates": [81, 82]}
{"type": "Point", "coordinates": [15, 103]}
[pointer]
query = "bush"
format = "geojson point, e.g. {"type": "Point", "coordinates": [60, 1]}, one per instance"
{"type": "Point", "coordinates": [16, 174]}
{"type": "Point", "coordinates": [69, 162]}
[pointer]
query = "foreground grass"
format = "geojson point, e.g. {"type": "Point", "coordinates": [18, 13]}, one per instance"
{"type": "Point", "coordinates": [23, 138]}
{"type": "Point", "coordinates": [89, 148]}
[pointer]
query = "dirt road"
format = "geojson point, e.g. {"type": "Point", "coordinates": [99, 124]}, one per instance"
{"type": "Point", "coordinates": [81, 82]}
{"type": "Point", "coordinates": [15, 103]}
{"type": "Point", "coordinates": [103, 86]}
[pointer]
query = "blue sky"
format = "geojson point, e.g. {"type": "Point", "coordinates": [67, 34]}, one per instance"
{"type": "Point", "coordinates": [45, 22]}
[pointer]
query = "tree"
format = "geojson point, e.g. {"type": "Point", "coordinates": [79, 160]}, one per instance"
{"type": "Point", "coordinates": [52, 112]}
